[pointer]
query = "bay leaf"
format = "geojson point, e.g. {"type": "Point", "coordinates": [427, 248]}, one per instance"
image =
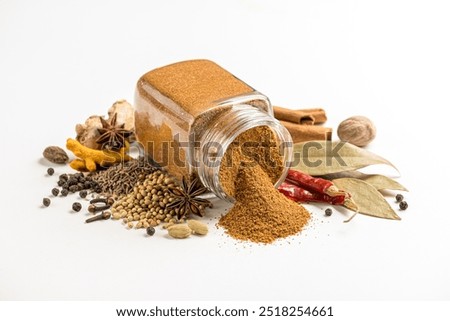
{"type": "Point", "coordinates": [369, 200]}
{"type": "Point", "coordinates": [318, 158]}
{"type": "Point", "coordinates": [380, 182]}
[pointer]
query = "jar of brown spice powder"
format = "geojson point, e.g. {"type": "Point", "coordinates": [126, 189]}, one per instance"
{"type": "Point", "coordinates": [189, 113]}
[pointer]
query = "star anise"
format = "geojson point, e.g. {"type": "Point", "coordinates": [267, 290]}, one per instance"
{"type": "Point", "coordinates": [112, 136]}
{"type": "Point", "coordinates": [186, 201]}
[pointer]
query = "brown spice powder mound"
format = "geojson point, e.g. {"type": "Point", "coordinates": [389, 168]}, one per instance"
{"type": "Point", "coordinates": [261, 213]}
{"type": "Point", "coordinates": [256, 146]}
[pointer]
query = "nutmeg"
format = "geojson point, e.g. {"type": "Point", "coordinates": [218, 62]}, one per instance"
{"type": "Point", "coordinates": [357, 130]}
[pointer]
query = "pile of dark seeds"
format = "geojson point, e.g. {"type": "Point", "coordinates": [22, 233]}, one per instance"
{"type": "Point", "coordinates": [120, 179]}
{"type": "Point", "coordinates": [72, 183]}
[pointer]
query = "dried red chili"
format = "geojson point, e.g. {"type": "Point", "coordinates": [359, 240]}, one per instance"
{"type": "Point", "coordinates": [313, 184]}
{"type": "Point", "coordinates": [298, 194]}
{"type": "Point", "coordinates": [302, 195]}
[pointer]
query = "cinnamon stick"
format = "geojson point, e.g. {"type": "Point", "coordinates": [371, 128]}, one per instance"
{"type": "Point", "coordinates": [304, 133]}
{"type": "Point", "coordinates": [308, 116]}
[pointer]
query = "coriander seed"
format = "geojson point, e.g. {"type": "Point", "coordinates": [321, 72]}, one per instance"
{"type": "Point", "coordinates": [55, 191]}
{"type": "Point", "coordinates": [76, 206]}
{"type": "Point", "coordinates": [399, 197]}
{"type": "Point", "coordinates": [46, 201]}
{"type": "Point", "coordinates": [50, 171]}
{"type": "Point", "coordinates": [328, 212]}
{"type": "Point", "coordinates": [403, 205]}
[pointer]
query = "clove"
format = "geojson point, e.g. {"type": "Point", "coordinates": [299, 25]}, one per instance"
{"type": "Point", "coordinates": [94, 209]}
{"type": "Point", "coordinates": [103, 216]}
{"type": "Point", "coordinates": [110, 200]}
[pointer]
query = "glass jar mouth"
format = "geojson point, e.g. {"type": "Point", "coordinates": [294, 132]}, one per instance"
{"type": "Point", "coordinates": [219, 141]}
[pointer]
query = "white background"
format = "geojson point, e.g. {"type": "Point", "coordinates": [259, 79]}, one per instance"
{"type": "Point", "coordinates": [60, 62]}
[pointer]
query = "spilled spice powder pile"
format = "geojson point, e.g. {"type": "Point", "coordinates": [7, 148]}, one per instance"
{"type": "Point", "coordinates": [256, 146]}
{"type": "Point", "coordinates": [260, 214]}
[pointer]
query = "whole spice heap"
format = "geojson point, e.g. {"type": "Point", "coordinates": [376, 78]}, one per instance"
{"type": "Point", "coordinates": [260, 213]}
{"type": "Point", "coordinates": [147, 204]}
{"type": "Point", "coordinates": [78, 182]}
{"type": "Point", "coordinates": [120, 179]}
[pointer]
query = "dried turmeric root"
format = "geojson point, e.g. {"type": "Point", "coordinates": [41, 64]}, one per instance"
{"type": "Point", "coordinates": [89, 159]}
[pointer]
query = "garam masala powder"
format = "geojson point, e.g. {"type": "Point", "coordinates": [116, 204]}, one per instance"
{"type": "Point", "coordinates": [196, 118]}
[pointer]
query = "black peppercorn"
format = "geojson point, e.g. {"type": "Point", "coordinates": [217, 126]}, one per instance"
{"type": "Point", "coordinates": [50, 171]}
{"type": "Point", "coordinates": [55, 191]}
{"type": "Point", "coordinates": [64, 192]}
{"type": "Point", "coordinates": [63, 177]}
{"type": "Point", "coordinates": [73, 188]}
{"type": "Point", "coordinates": [76, 206]}
{"type": "Point", "coordinates": [403, 205]}
{"type": "Point", "coordinates": [399, 197]}
{"type": "Point", "coordinates": [60, 183]}
{"type": "Point", "coordinates": [46, 201]}
{"type": "Point", "coordinates": [83, 194]}
{"type": "Point", "coordinates": [328, 212]}
{"type": "Point", "coordinates": [150, 230]}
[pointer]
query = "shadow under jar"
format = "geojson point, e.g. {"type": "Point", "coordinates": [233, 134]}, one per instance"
{"type": "Point", "coordinates": [188, 114]}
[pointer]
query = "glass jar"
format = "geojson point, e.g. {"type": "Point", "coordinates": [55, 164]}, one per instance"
{"type": "Point", "coordinates": [188, 114]}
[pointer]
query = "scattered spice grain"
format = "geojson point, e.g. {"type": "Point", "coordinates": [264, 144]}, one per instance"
{"type": "Point", "coordinates": [399, 197]}
{"type": "Point", "coordinates": [328, 212]}
{"type": "Point", "coordinates": [77, 207]}
{"type": "Point", "coordinates": [50, 171]}
{"type": "Point", "coordinates": [150, 230]}
{"type": "Point", "coordinates": [46, 202]}
{"type": "Point", "coordinates": [55, 191]}
{"type": "Point", "coordinates": [403, 205]}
